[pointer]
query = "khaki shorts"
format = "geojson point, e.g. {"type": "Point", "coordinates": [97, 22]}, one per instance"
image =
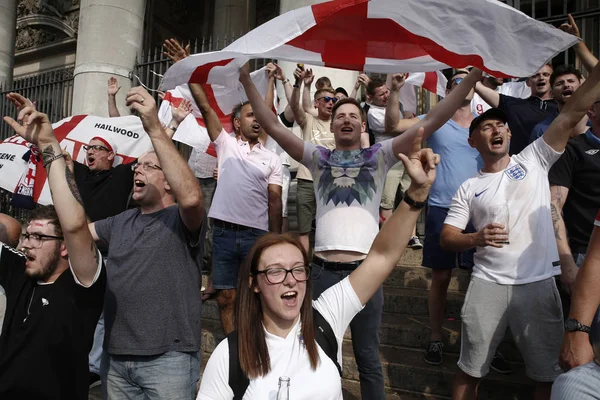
{"type": "Point", "coordinates": [396, 176]}
{"type": "Point", "coordinates": [533, 312]}
{"type": "Point", "coordinates": [306, 205]}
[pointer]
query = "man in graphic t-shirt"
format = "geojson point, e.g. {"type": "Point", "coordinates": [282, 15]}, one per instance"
{"type": "Point", "coordinates": [348, 183]}
{"type": "Point", "coordinates": [512, 284]}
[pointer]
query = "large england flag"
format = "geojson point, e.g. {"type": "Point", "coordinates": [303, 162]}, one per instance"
{"type": "Point", "coordinates": [386, 36]}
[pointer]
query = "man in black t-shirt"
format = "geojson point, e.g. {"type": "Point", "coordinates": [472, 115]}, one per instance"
{"type": "Point", "coordinates": [54, 285]}
{"type": "Point", "coordinates": [524, 114]}
{"type": "Point", "coordinates": [575, 196]}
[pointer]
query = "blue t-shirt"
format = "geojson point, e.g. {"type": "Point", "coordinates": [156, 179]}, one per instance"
{"type": "Point", "coordinates": [458, 161]}
{"type": "Point", "coordinates": [543, 126]}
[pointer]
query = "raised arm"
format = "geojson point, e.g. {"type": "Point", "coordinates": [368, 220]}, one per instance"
{"type": "Point", "coordinates": [558, 132]}
{"type": "Point", "coordinates": [393, 237]}
{"type": "Point", "coordinates": [113, 89]}
{"type": "Point", "coordinates": [585, 55]}
{"type": "Point", "coordinates": [289, 142]}
{"type": "Point", "coordinates": [393, 124]}
{"type": "Point", "coordinates": [178, 174]}
{"type": "Point", "coordinates": [275, 216]}
{"type": "Point", "coordinates": [307, 104]}
{"type": "Point", "coordinates": [179, 114]}
{"type": "Point", "coordinates": [576, 349]}
{"type": "Point", "coordinates": [558, 197]}
{"type": "Point", "coordinates": [361, 80]}
{"type": "Point", "coordinates": [287, 86]}
{"type": "Point", "coordinates": [270, 95]}
{"type": "Point", "coordinates": [299, 113]}
{"type": "Point", "coordinates": [488, 95]}
{"type": "Point", "coordinates": [81, 247]}
{"type": "Point", "coordinates": [211, 119]}
{"type": "Point", "coordinates": [174, 50]}
{"type": "Point", "coordinates": [439, 114]}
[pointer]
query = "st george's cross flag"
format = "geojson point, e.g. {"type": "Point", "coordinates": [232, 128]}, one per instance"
{"type": "Point", "coordinates": [387, 36]}
{"type": "Point", "coordinates": [192, 130]}
{"type": "Point", "coordinates": [435, 82]}
{"type": "Point", "coordinates": [22, 173]}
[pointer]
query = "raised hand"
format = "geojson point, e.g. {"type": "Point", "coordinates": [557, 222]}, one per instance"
{"type": "Point", "coordinates": [279, 74]}
{"type": "Point", "coordinates": [140, 100]}
{"type": "Point", "coordinates": [271, 70]}
{"type": "Point", "coordinates": [19, 101]}
{"type": "Point", "coordinates": [184, 109]}
{"type": "Point", "coordinates": [398, 80]}
{"type": "Point", "coordinates": [570, 27]}
{"type": "Point", "coordinates": [362, 79]}
{"type": "Point", "coordinates": [309, 77]}
{"type": "Point", "coordinates": [420, 165]}
{"type": "Point", "coordinates": [174, 50]}
{"type": "Point", "coordinates": [36, 127]}
{"type": "Point", "coordinates": [113, 86]}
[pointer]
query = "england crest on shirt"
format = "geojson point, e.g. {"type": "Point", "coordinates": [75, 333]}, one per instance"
{"type": "Point", "coordinates": [592, 152]}
{"type": "Point", "coordinates": [516, 173]}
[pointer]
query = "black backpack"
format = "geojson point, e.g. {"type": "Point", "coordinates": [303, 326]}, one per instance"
{"type": "Point", "coordinates": [239, 382]}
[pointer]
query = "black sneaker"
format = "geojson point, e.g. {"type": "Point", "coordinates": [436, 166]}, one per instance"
{"type": "Point", "coordinates": [433, 355]}
{"type": "Point", "coordinates": [500, 364]}
{"type": "Point", "coordinates": [414, 243]}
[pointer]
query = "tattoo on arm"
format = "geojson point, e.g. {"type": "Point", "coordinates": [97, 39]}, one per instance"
{"type": "Point", "coordinates": [72, 185]}
{"type": "Point", "coordinates": [94, 249]}
{"type": "Point", "coordinates": [47, 154]}
{"type": "Point", "coordinates": [556, 217]}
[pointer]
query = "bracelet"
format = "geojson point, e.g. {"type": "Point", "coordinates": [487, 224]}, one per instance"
{"type": "Point", "coordinates": [296, 86]}
{"type": "Point", "coordinates": [286, 80]}
{"type": "Point", "coordinates": [54, 158]}
{"type": "Point", "coordinates": [173, 128]}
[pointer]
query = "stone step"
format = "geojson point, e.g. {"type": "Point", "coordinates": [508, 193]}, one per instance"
{"type": "Point", "coordinates": [351, 391]}
{"type": "Point", "coordinates": [404, 369]}
{"type": "Point", "coordinates": [410, 301]}
{"type": "Point", "coordinates": [418, 277]}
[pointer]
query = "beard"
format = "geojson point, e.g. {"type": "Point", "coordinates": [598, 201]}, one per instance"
{"type": "Point", "coordinates": [49, 268]}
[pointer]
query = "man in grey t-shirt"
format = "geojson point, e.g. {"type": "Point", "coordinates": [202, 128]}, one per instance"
{"type": "Point", "coordinates": [152, 306]}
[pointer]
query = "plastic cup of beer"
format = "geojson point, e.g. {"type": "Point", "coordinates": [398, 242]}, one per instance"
{"type": "Point", "coordinates": [499, 214]}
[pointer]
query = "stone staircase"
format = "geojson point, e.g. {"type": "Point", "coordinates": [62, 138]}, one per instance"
{"type": "Point", "coordinates": [404, 334]}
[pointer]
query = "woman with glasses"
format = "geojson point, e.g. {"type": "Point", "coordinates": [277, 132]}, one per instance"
{"type": "Point", "coordinates": [276, 333]}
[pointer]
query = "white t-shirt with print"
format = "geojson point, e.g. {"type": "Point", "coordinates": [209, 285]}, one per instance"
{"type": "Point", "coordinates": [532, 254]}
{"type": "Point", "coordinates": [348, 189]}
{"type": "Point", "coordinates": [288, 356]}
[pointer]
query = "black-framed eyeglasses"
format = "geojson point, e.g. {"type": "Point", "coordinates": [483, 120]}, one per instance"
{"type": "Point", "coordinates": [95, 147]}
{"type": "Point", "coordinates": [278, 275]}
{"type": "Point", "coordinates": [145, 166]}
{"type": "Point", "coordinates": [36, 239]}
{"type": "Point", "coordinates": [327, 99]}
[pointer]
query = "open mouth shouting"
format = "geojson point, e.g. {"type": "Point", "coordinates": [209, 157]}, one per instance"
{"type": "Point", "coordinates": [290, 298]}
{"type": "Point", "coordinates": [567, 92]}
{"type": "Point", "coordinates": [255, 127]}
{"type": "Point", "coordinates": [497, 142]}
{"type": "Point", "coordinates": [138, 183]}
{"type": "Point", "coordinates": [91, 160]}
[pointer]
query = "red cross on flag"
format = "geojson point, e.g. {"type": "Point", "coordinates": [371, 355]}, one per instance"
{"type": "Point", "coordinates": [386, 36]}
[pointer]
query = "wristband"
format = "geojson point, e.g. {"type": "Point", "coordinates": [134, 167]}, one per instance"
{"type": "Point", "coordinates": [286, 80]}
{"type": "Point", "coordinates": [173, 128]}
{"type": "Point", "coordinates": [52, 159]}
{"type": "Point", "coordinates": [412, 202]}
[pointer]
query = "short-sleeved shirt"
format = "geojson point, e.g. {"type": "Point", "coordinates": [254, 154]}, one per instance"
{"type": "Point", "coordinates": [318, 132]}
{"type": "Point", "coordinates": [523, 116]}
{"type": "Point", "coordinates": [242, 195]}
{"type": "Point", "coordinates": [47, 333]}
{"type": "Point", "coordinates": [578, 169]}
{"type": "Point", "coordinates": [532, 254]}
{"type": "Point", "coordinates": [348, 189]}
{"type": "Point", "coordinates": [104, 193]}
{"type": "Point", "coordinates": [458, 161]}
{"type": "Point", "coordinates": [288, 356]}
{"type": "Point", "coordinates": [376, 122]}
{"type": "Point", "coordinates": [202, 164]}
{"type": "Point", "coordinates": [152, 303]}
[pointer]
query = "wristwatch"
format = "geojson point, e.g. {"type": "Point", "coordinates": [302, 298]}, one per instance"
{"type": "Point", "coordinates": [412, 202]}
{"type": "Point", "coordinates": [572, 325]}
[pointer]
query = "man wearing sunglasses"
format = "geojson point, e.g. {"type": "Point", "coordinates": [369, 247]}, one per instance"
{"type": "Point", "coordinates": [54, 285]}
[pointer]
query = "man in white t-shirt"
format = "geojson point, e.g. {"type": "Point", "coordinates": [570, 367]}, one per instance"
{"type": "Point", "coordinates": [512, 284]}
{"type": "Point", "coordinates": [348, 185]}
{"type": "Point", "coordinates": [247, 200]}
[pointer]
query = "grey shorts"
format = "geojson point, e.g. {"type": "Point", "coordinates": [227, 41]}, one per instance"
{"type": "Point", "coordinates": [533, 312]}
{"type": "Point", "coordinates": [306, 205]}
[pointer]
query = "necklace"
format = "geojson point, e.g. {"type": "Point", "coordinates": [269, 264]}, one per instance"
{"type": "Point", "coordinates": [29, 306]}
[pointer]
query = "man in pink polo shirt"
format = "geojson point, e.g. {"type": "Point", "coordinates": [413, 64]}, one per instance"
{"type": "Point", "coordinates": [247, 201]}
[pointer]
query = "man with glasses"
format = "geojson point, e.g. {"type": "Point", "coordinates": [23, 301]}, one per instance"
{"type": "Point", "coordinates": [152, 309]}
{"type": "Point", "coordinates": [54, 285]}
{"type": "Point", "coordinates": [348, 186]}
{"type": "Point", "coordinates": [315, 130]}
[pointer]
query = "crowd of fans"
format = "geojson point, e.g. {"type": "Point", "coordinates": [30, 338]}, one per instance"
{"type": "Point", "coordinates": [124, 322]}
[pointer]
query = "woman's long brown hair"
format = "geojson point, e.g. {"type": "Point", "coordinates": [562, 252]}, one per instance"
{"type": "Point", "coordinates": [252, 345]}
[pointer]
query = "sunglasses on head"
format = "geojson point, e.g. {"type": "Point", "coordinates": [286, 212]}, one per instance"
{"type": "Point", "coordinates": [327, 99]}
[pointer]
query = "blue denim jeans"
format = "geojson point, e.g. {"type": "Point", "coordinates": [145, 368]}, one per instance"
{"type": "Point", "coordinates": [172, 375]}
{"type": "Point", "coordinates": [230, 248]}
{"type": "Point", "coordinates": [365, 333]}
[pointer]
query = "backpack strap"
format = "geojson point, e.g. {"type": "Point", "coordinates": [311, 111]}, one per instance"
{"type": "Point", "coordinates": [326, 338]}
{"type": "Point", "coordinates": [237, 380]}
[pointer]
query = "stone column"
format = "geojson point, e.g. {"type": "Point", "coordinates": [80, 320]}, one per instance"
{"type": "Point", "coordinates": [233, 17]}
{"type": "Point", "coordinates": [8, 34]}
{"type": "Point", "coordinates": [109, 39]}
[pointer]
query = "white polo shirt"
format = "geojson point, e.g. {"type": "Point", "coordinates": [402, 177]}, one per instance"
{"type": "Point", "coordinates": [532, 254]}
{"type": "Point", "coordinates": [241, 196]}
